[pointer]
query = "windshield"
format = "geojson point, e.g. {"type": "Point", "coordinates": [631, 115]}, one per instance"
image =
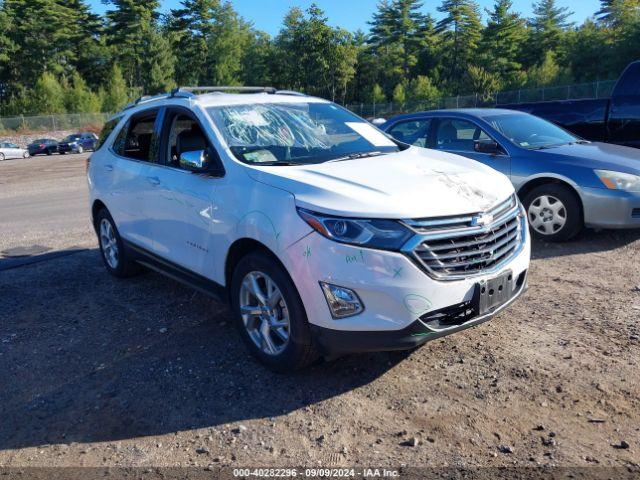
{"type": "Point", "coordinates": [72, 138]}
{"type": "Point", "coordinates": [530, 132]}
{"type": "Point", "coordinates": [297, 133]}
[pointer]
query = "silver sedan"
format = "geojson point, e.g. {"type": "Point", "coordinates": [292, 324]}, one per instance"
{"type": "Point", "coordinates": [11, 150]}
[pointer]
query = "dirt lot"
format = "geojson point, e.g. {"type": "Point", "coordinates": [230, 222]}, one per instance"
{"type": "Point", "coordinates": [145, 372]}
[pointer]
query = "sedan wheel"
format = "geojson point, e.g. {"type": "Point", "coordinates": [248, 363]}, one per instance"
{"type": "Point", "coordinates": [264, 313]}
{"type": "Point", "coordinates": [25, 155]}
{"type": "Point", "coordinates": [547, 215]}
{"type": "Point", "coordinates": [1, 157]}
{"type": "Point", "coordinates": [109, 244]}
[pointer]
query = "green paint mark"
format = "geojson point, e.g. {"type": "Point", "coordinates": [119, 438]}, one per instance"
{"type": "Point", "coordinates": [397, 272]}
{"type": "Point", "coordinates": [307, 252]}
{"type": "Point", "coordinates": [355, 258]}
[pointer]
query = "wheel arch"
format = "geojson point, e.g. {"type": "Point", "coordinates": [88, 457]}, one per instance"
{"type": "Point", "coordinates": [95, 209]}
{"type": "Point", "coordinates": [237, 251]}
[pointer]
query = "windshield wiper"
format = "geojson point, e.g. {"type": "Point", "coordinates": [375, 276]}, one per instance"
{"type": "Point", "coordinates": [355, 156]}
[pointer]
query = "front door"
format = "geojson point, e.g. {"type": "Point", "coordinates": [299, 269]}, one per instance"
{"type": "Point", "coordinates": [456, 135]}
{"type": "Point", "coordinates": [183, 203]}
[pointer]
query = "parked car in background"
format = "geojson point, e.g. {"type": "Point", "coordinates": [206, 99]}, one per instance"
{"type": "Point", "coordinates": [611, 120]}
{"type": "Point", "coordinates": [564, 182]}
{"type": "Point", "coordinates": [11, 150]}
{"type": "Point", "coordinates": [43, 146]}
{"type": "Point", "coordinates": [78, 143]}
{"type": "Point", "coordinates": [348, 240]}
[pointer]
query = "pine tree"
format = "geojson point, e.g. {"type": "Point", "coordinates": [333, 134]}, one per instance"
{"type": "Point", "coordinates": [547, 27]}
{"type": "Point", "coordinates": [422, 89]}
{"type": "Point", "coordinates": [502, 42]}
{"type": "Point", "coordinates": [78, 98]}
{"type": "Point", "coordinates": [461, 29]}
{"type": "Point", "coordinates": [116, 93]}
{"type": "Point", "coordinates": [129, 25]}
{"type": "Point", "coordinates": [616, 13]}
{"type": "Point", "coordinates": [48, 95]}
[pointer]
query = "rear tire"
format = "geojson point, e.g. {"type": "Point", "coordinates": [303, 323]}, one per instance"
{"type": "Point", "coordinates": [25, 155]}
{"type": "Point", "coordinates": [1, 157]}
{"type": "Point", "coordinates": [80, 150]}
{"type": "Point", "coordinates": [554, 212]}
{"type": "Point", "coordinates": [112, 250]}
{"type": "Point", "coordinates": [278, 313]}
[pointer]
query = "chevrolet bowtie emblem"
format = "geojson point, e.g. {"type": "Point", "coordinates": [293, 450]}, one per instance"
{"type": "Point", "coordinates": [481, 220]}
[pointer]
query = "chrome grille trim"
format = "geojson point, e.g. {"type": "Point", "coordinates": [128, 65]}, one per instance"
{"type": "Point", "coordinates": [453, 248]}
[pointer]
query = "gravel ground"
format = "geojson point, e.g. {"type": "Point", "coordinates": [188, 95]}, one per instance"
{"type": "Point", "coordinates": [145, 372]}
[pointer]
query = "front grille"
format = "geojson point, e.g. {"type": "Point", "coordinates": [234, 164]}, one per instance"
{"type": "Point", "coordinates": [458, 247]}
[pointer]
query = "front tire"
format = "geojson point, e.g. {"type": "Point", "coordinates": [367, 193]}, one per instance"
{"type": "Point", "coordinates": [270, 315]}
{"type": "Point", "coordinates": [114, 255]}
{"type": "Point", "coordinates": [25, 155]}
{"type": "Point", "coordinates": [80, 150]}
{"type": "Point", "coordinates": [2, 157]}
{"type": "Point", "coordinates": [554, 213]}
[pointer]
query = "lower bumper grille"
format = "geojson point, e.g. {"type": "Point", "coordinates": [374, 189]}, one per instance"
{"type": "Point", "coordinates": [459, 247]}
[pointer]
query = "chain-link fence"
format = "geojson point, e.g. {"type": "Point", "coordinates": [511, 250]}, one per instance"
{"type": "Point", "coordinates": [44, 123]}
{"type": "Point", "coordinates": [581, 91]}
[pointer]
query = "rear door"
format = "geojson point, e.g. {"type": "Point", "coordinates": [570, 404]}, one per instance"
{"type": "Point", "coordinates": [131, 183]}
{"type": "Point", "coordinates": [458, 136]}
{"type": "Point", "coordinates": [183, 203]}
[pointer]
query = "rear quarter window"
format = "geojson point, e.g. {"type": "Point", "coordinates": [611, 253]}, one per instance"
{"type": "Point", "coordinates": [106, 131]}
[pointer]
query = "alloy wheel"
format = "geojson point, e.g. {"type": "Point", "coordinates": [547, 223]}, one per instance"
{"type": "Point", "coordinates": [109, 243]}
{"type": "Point", "coordinates": [547, 215]}
{"type": "Point", "coordinates": [264, 313]}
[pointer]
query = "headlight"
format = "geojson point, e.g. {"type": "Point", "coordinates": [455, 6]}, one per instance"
{"type": "Point", "coordinates": [619, 180]}
{"type": "Point", "coordinates": [381, 234]}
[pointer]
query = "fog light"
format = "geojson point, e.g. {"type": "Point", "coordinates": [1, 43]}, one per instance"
{"type": "Point", "coordinates": [343, 302]}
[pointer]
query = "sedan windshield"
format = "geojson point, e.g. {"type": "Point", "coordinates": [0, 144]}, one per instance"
{"type": "Point", "coordinates": [530, 132]}
{"type": "Point", "coordinates": [72, 138]}
{"type": "Point", "coordinates": [297, 133]}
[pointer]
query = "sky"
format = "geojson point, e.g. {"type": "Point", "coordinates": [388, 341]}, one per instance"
{"type": "Point", "coordinates": [267, 15]}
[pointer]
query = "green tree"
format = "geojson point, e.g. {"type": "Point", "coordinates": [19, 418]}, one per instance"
{"type": "Point", "coordinates": [78, 98]}
{"type": "Point", "coordinates": [547, 28]}
{"type": "Point", "coordinates": [548, 73]}
{"type": "Point", "coordinates": [502, 42]}
{"type": "Point", "coordinates": [133, 33]}
{"type": "Point", "coordinates": [421, 89]}
{"type": "Point", "coordinates": [616, 13]}
{"type": "Point", "coordinates": [158, 64]}
{"type": "Point", "coordinates": [115, 94]}
{"type": "Point", "coordinates": [399, 95]}
{"type": "Point", "coordinates": [376, 95]}
{"type": "Point", "coordinates": [48, 95]}
{"type": "Point", "coordinates": [483, 83]}
{"type": "Point", "coordinates": [461, 29]}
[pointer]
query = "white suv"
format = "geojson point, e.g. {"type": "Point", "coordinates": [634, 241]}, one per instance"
{"type": "Point", "coordinates": [324, 235]}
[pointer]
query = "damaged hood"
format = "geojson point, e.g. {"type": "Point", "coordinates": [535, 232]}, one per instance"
{"type": "Point", "coordinates": [415, 183]}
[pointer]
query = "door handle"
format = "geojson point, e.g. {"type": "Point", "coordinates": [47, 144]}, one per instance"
{"type": "Point", "coordinates": [108, 168]}
{"type": "Point", "coordinates": [155, 181]}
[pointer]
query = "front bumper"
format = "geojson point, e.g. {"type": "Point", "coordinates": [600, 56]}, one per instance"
{"type": "Point", "coordinates": [395, 291]}
{"type": "Point", "coordinates": [331, 342]}
{"type": "Point", "coordinates": [67, 148]}
{"type": "Point", "coordinates": [605, 208]}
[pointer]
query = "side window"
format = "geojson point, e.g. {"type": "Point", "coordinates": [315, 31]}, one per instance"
{"type": "Point", "coordinates": [458, 135]}
{"type": "Point", "coordinates": [137, 138]}
{"type": "Point", "coordinates": [185, 135]}
{"type": "Point", "coordinates": [413, 132]}
{"type": "Point", "coordinates": [106, 131]}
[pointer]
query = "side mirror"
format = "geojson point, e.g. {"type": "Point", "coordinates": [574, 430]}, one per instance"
{"type": "Point", "coordinates": [199, 161]}
{"type": "Point", "coordinates": [486, 146]}
{"type": "Point", "coordinates": [196, 161]}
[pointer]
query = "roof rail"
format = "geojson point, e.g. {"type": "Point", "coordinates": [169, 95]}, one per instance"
{"type": "Point", "coordinates": [188, 92]}
{"type": "Point", "coordinates": [239, 89]}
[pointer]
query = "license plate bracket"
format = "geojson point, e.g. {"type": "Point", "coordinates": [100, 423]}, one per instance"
{"type": "Point", "coordinates": [494, 292]}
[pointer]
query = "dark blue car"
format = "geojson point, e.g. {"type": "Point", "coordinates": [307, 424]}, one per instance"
{"type": "Point", "coordinates": [564, 182]}
{"type": "Point", "coordinates": [78, 143]}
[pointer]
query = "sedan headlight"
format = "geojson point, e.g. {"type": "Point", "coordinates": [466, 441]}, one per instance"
{"type": "Point", "coordinates": [619, 181]}
{"type": "Point", "coordinates": [380, 234]}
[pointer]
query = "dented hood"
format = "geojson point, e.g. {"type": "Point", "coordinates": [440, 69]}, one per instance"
{"type": "Point", "coordinates": [415, 183]}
